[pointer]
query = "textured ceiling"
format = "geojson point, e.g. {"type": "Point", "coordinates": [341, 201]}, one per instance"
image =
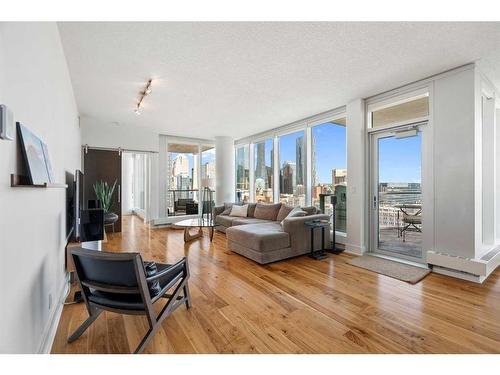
{"type": "Point", "coordinates": [237, 79]}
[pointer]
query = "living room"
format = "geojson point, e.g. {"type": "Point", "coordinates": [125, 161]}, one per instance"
{"type": "Point", "coordinates": [250, 187]}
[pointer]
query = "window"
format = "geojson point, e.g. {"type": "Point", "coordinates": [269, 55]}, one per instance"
{"type": "Point", "coordinates": [242, 173]}
{"type": "Point", "coordinates": [292, 169]}
{"type": "Point", "coordinates": [139, 176]}
{"type": "Point", "coordinates": [263, 164]}
{"type": "Point", "coordinates": [409, 109]}
{"type": "Point", "coordinates": [208, 167]}
{"type": "Point", "coordinates": [329, 169]}
{"type": "Point", "coordinates": [183, 164]}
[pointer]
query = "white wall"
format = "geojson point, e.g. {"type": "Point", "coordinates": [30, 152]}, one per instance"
{"type": "Point", "coordinates": [357, 211]}
{"type": "Point", "coordinates": [453, 127]}
{"type": "Point", "coordinates": [35, 84]}
{"type": "Point", "coordinates": [97, 133]}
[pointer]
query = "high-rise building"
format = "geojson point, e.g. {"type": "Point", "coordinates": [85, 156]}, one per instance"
{"type": "Point", "coordinates": [314, 175]}
{"type": "Point", "coordinates": [180, 165]}
{"type": "Point", "coordinates": [260, 160]}
{"type": "Point", "coordinates": [339, 176]}
{"type": "Point", "coordinates": [299, 159]}
{"type": "Point", "coordinates": [288, 180]}
{"type": "Point", "coordinates": [208, 174]}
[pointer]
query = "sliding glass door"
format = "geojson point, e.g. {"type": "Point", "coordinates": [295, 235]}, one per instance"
{"type": "Point", "coordinates": [396, 193]}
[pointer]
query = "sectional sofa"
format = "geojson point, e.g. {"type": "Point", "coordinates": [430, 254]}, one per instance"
{"type": "Point", "coordinates": [268, 234]}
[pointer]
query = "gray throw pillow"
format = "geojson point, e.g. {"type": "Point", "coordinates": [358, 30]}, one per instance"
{"type": "Point", "coordinates": [267, 211]}
{"type": "Point", "coordinates": [283, 212]}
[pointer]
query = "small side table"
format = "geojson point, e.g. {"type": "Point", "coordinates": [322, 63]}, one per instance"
{"type": "Point", "coordinates": [312, 225]}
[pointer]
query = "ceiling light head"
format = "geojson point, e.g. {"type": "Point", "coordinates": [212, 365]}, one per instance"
{"type": "Point", "coordinates": [140, 104]}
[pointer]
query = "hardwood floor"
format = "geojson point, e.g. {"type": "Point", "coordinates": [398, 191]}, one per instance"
{"type": "Point", "coordinates": [294, 306]}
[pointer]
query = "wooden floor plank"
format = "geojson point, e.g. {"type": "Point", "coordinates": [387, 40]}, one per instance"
{"type": "Point", "coordinates": [294, 306]}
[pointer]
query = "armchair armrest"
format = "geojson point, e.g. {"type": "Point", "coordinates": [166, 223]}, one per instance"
{"type": "Point", "coordinates": [300, 235]}
{"type": "Point", "coordinates": [174, 268]}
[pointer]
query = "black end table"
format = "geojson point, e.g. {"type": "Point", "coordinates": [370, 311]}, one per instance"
{"type": "Point", "coordinates": [312, 225]}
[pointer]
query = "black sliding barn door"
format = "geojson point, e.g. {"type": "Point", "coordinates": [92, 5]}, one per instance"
{"type": "Point", "coordinates": [104, 165]}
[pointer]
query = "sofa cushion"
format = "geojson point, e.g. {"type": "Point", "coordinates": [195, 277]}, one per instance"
{"type": "Point", "coordinates": [259, 237]}
{"type": "Point", "coordinates": [239, 211]}
{"type": "Point", "coordinates": [224, 220]}
{"type": "Point", "coordinates": [296, 212]}
{"type": "Point", "coordinates": [283, 212]}
{"type": "Point", "coordinates": [248, 220]}
{"type": "Point", "coordinates": [267, 211]}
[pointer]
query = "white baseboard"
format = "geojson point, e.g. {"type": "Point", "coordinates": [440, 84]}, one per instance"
{"type": "Point", "coordinates": [354, 249]}
{"type": "Point", "coordinates": [49, 333]}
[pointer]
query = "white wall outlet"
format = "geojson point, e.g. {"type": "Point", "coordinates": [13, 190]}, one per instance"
{"type": "Point", "coordinates": [6, 123]}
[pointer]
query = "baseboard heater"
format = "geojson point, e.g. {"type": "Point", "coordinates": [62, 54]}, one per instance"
{"type": "Point", "coordinates": [476, 270]}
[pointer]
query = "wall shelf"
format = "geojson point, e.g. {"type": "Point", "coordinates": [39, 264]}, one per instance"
{"type": "Point", "coordinates": [22, 181]}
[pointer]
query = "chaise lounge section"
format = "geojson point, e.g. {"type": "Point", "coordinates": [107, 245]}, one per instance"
{"type": "Point", "coordinates": [268, 234]}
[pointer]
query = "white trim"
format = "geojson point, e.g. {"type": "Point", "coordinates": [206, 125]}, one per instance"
{"type": "Point", "coordinates": [49, 333]}
{"type": "Point", "coordinates": [294, 126]}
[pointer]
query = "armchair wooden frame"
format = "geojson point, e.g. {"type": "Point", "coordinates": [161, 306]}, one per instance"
{"type": "Point", "coordinates": [177, 275]}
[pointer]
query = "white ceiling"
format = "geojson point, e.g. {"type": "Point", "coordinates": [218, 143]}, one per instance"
{"type": "Point", "coordinates": [238, 79]}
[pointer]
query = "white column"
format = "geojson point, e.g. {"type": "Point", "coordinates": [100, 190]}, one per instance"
{"type": "Point", "coordinates": [162, 177]}
{"type": "Point", "coordinates": [357, 220]}
{"type": "Point", "coordinates": [224, 170]}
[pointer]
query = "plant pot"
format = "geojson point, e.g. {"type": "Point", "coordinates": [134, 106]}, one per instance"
{"type": "Point", "coordinates": [110, 218]}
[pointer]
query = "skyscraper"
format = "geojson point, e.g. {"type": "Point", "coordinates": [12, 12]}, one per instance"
{"type": "Point", "coordinates": [299, 159]}
{"type": "Point", "coordinates": [313, 161]}
{"type": "Point", "coordinates": [288, 180]}
{"type": "Point", "coordinates": [260, 160]}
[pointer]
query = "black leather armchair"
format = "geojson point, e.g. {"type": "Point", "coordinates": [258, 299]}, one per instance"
{"type": "Point", "coordinates": [118, 282]}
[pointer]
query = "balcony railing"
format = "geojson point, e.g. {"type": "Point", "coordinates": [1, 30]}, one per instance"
{"type": "Point", "coordinates": [185, 202]}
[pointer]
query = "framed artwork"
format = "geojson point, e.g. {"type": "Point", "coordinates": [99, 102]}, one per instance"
{"type": "Point", "coordinates": [50, 172]}
{"type": "Point", "coordinates": [33, 155]}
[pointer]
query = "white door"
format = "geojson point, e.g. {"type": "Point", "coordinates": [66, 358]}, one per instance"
{"type": "Point", "coordinates": [396, 192]}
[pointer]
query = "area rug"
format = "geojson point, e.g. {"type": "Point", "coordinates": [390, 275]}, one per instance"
{"type": "Point", "coordinates": [400, 271]}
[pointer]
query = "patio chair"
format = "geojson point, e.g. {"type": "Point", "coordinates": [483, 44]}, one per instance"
{"type": "Point", "coordinates": [119, 282]}
{"type": "Point", "coordinates": [410, 222]}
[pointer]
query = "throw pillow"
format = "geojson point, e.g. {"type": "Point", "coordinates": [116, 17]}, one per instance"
{"type": "Point", "coordinates": [296, 212]}
{"type": "Point", "coordinates": [239, 211]}
{"type": "Point", "coordinates": [251, 209]}
{"type": "Point", "coordinates": [283, 212]}
{"type": "Point", "coordinates": [267, 211]}
{"type": "Point", "coordinates": [310, 210]}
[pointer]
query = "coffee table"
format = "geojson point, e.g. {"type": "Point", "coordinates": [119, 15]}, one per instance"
{"type": "Point", "coordinates": [199, 223]}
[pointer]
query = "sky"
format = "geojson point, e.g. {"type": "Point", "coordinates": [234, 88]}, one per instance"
{"type": "Point", "coordinates": [330, 149]}
{"type": "Point", "coordinates": [400, 159]}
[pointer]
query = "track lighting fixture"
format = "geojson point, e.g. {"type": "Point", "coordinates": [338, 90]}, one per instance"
{"type": "Point", "coordinates": [140, 104]}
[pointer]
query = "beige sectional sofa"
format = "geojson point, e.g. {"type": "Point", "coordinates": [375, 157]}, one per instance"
{"type": "Point", "coordinates": [267, 235]}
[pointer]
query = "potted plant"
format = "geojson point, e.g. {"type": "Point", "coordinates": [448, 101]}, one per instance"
{"type": "Point", "coordinates": [104, 193]}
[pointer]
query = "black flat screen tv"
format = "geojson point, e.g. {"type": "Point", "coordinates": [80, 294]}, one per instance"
{"type": "Point", "coordinates": [78, 201]}
{"type": "Point", "coordinates": [74, 205]}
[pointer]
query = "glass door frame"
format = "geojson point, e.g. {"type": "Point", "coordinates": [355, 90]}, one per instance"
{"type": "Point", "coordinates": [373, 193]}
